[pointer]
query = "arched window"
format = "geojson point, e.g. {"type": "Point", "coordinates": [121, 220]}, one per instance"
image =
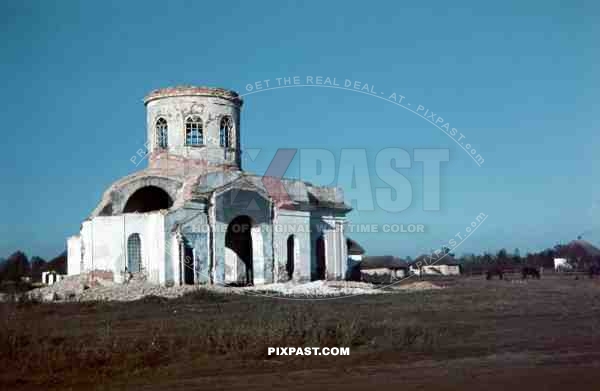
{"type": "Point", "coordinates": [290, 257]}
{"type": "Point", "coordinates": [320, 255]}
{"type": "Point", "coordinates": [162, 133]}
{"type": "Point", "coordinates": [134, 253]}
{"type": "Point", "coordinates": [193, 131]}
{"type": "Point", "coordinates": [225, 132]}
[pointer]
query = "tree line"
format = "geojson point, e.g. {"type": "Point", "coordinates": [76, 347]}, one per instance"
{"type": "Point", "coordinates": [18, 265]}
{"type": "Point", "coordinates": [578, 259]}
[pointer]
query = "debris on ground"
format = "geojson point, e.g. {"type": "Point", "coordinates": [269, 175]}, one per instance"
{"type": "Point", "coordinates": [84, 287]}
{"type": "Point", "coordinates": [316, 288]}
{"type": "Point", "coordinates": [416, 286]}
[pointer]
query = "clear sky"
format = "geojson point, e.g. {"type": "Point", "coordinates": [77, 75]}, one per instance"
{"type": "Point", "coordinates": [518, 79]}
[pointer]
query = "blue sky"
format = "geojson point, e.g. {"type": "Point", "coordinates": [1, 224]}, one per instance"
{"type": "Point", "coordinates": [518, 79]}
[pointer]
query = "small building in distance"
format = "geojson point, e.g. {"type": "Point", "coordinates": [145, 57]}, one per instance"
{"type": "Point", "coordinates": [562, 264]}
{"type": "Point", "coordinates": [51, 277]}
{"type": "Point", "coordinates": [444, 265]}
{"type": "Point", "coordinates": [577, 254]}
{"type": "Point", "coordinates": [383, 269]}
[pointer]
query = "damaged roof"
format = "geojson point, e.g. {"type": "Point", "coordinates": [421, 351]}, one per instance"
{"type": "Point", "coordinates": [354, 248]}
{"type": "Point", "coordinates": [383, 262]}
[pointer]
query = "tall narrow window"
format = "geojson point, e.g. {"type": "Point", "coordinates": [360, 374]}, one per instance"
{"type": "Point", "coordinates": [290, 257]}
{"type": "Point", "coordinates": [193, 131]}
{"type": "Point", "coordinates": [134, 253]}
{"type": "Point", "coordinates": [162, 133]}
{"type": "Point", "coordinates": [225, 131]}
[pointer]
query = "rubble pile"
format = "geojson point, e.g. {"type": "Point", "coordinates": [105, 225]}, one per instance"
{"type": "Point", "coordinates": [84, 288]}
{"type": "Point", "coordinates": [416, 286]}
{"type": "Point", "coordinates": [316, 289]}
{"type": "Point", "coordinates": [90, 287]}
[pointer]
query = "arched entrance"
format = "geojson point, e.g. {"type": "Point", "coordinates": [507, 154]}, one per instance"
{"type": "Point", "coordinates": [148, 199]}
{"type": "Point", "coordinates": [134, 253]}
{"type": "Point", "coordinates": [289, 267]}
{"type": "Point", "coordinates": [238, 238]}
{"type": "Point", "coordinates": [320, 258]}
{"type": "Point", "coordinates": [188, 264]}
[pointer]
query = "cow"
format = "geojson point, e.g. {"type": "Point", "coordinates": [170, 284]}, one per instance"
{"type": "Point", "coordinates": [494, 272]}
{"type": "Point", "coordinates": [594, 270]}
{"type": "Point", "coordinates": [529, 271]}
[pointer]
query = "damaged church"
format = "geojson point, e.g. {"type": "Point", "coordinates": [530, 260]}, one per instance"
{"type": "Point", "coordinates": [193, 216]}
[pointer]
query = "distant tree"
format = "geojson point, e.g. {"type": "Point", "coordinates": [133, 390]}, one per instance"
{"type": "Point", "coordinates": [38, 265]}
{"type": "Point", "coordinates": [502, 258]}
{"type": "Point", "coordinates": [547, 258]}
{"type": "Point", "coordinates": [516, 257]}
{"type": "Point", "coordinates": [529, 259]}
{"type": "Point", "coordinates": [470, 263]}
{"type": "Point", "coordinates": [15, 267]}
{"type": "Point", "coordinates": [59, 263]}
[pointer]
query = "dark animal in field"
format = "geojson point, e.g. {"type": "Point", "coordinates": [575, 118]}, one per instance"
{"type": "Point", "coordinates": [494, 272]}
{"type": "Point", "coordinates": [532, 272]}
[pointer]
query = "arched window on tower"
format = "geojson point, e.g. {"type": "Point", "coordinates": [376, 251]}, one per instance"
{"type": "Point", "coordinates": [225, 132]}
{"type": "Point", "coordinates": [162, 133]}
{"type": "Point", "coordinates": [193, 131]}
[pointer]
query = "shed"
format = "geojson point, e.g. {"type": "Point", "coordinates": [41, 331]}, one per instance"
{"type": "Point", "coordinates": [432, 265]}
{"type": "Point", "coordinates": [382, 269]}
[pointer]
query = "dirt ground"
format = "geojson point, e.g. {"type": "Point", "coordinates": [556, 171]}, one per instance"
{"type": "Point", "coordinates": [472, 335]}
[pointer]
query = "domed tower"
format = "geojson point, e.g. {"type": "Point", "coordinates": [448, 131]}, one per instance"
{"type": "Point", "coordinates": [193, 130]}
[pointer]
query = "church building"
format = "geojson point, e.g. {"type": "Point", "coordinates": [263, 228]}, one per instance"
{"type": "Point", "coordinates": [193, 216]}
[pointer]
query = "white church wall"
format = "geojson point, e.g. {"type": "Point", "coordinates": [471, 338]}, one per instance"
{"type": "Point", "coordinates": [342, 249]}
{"type": "Point", "coordinates": [104, 240]}
{"type": "Point", "coordinates": [336, 251]}
{"type": "Point", "coordinates": [258, 255]}
{"type": "Point", "coordinates": [332, 249]}
{"type": "Point", "coordinates": [297, 223]}
{"type": "Point", "coordinates": [150, 227]}
{"type": "Point", "coordinates": [231, 265]}
{"type": "Point", "coordinates": [173, 260]}
{"type": "Point", "coordinates": [107, 251]}
{"type": "Point", "coordinates": [74, 255]}
{"type": "Point", "coordinates": [86, 244]}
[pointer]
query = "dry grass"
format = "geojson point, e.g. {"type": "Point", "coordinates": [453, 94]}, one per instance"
{"type": "Point", "coordinates": [78, 344]}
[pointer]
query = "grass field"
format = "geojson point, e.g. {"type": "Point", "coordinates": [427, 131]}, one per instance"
{"type": "Point", "coordinates": [474, 334]}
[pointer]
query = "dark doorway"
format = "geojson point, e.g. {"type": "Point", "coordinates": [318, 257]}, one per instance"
{"type": "Point", "coordinates": [239, 239]}
{"type": "Point", "coordinates": [148, 199]}
{"type": "Point", "coordinates": [320, 255]}
{"type": "Point", "coordinates": [290, 257]}
{"type": "Point", "coordinates": [188, 264]}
